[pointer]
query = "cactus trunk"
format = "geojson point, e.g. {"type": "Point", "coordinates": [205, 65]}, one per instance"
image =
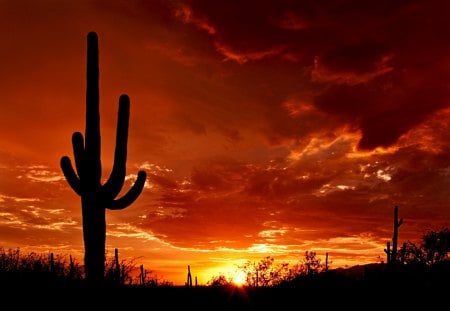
{"type": "Point", "coordinates": [94, 235]}
{"type": "Point", "coordinates": [86, 180]}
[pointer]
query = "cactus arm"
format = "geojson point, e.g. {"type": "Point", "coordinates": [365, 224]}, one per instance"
{"type": "Point", "coordinates": [115, 182]}
{"type": "Point", "coordinates": [131, 195]}
{"type": "Point", "coordinates": [92, 131]}
{"type": "Point", "coordinates": [400, 222]}
{"type": "Point", "coordinates": [71, 176]}
{"type": "Point", "coordinates": [78, 152]}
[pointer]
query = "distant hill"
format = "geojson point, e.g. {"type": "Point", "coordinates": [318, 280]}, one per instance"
{"type": "Point", "coordinates": [358, 271]}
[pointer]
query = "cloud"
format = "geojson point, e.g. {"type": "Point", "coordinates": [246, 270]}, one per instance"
{"type": "Point", "coordinates": [220, 174]}
{"type": "Point", "coordinates": [186, 14]}
{"type": "Point", "coordinates": [42, 174]}
{"type": "Point", "coordinates": [243, 57]}
{"type": "Point", "coordinates": [4, 198]}
{"type": "Point", "coordinates": [363, 70]}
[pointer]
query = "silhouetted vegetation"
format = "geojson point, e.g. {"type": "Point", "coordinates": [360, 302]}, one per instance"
{"type": "Point", "coordinates": [268, 283]}
{"type": "Point", "coordinates": [433, 249]}
{"type": "Point", "coordinates": [31, 269]}
{"type": "Point", "coordinates": [118, 272]}
{"type": "Point", "coordinates": [267, 273]}
{"type": "Point", "coordinates": [424, 267]}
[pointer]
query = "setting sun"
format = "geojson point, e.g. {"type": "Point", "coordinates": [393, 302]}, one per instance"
{"type": "Point", "coordinates": [239, 278]}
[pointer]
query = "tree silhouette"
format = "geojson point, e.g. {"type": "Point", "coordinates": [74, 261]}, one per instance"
{"type": "Point", "coordinates": [219, 281]}
{"type": "Point", "coordinates": [434, 248]}
{"type": "Point", "coordinates": [86, 181]}
{"type": "Point", "coordinates": [265, 272]}
{"type": "Point", "coordinates": [311, 264]}
{"type": "Point", "coordinates": [436, 245]}
{"type": "Point", "coordinates": [414, 253]}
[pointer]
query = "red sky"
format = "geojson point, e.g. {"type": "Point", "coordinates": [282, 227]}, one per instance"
{"type": "Point", "coordinates": [267, 128]}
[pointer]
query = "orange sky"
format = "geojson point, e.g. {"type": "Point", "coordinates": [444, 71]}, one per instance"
{"type": "Point", "coordinates": [267, 128]}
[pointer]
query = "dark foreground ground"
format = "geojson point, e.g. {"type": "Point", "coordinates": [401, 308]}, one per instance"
{"type": "Point", "coordinates": [208, 298]}
{"type": "Point", "coordinates": [370, 288]}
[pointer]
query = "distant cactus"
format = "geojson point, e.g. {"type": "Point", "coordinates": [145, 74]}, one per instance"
{"type": "Point", "coordinates": [387, 250]}
{"type": "Point", "coordinates": [86, 181]}
{"type": "Point", "coordinates": [397, 224]}
{"type": "Point", "coordinates": [392, 252]}
{"type": "Point", "coordinates": [117, 270]}
{"type": "Point", "coordinates": [143, 275]}
{"type": "Point", "coordinates": [189, 278]}
{"type": "Point", "coordinates": [52, 263]}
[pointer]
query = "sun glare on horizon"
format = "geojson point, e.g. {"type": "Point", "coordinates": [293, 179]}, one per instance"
{"type": "Point", "coordinates": [239, 278]}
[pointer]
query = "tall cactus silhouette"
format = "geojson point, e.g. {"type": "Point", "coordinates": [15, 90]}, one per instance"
{"type": "Point", "coordinates": [397, 224]}
{"type": "Point", "coordinates": [392, 253]}
{"type": "Point", "coordinates": [86, 181]}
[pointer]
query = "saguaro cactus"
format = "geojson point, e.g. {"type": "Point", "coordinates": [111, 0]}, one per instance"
{"type": "Point", "coordinates": [189, 277]}
{"type": "Point", "coordinates": [143, 275]}
{"type": "Point", "coordinates": [392, 253]}
{"type": "Point", "coordinates": [117, 274]}
{"type": "Point", "coordinates": [397, 224]}
{"type": "Point", "coordinates": [86, 181]}
{"type": "Point", "coordinates": [387, 250]}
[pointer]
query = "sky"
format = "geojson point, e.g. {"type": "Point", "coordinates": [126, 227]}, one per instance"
{"type": "Point", "coordinates": [266, 128]}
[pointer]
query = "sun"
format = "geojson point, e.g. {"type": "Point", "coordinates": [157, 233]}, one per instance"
{"type": "Point", "coordinates": [239, 278]}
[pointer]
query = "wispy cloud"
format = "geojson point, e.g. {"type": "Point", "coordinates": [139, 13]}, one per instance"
{"type": "Point", "coordinates": [4, 198]}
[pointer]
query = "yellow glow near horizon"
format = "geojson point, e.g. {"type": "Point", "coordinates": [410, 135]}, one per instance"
{"type": "Point", "coordinates": [239, 278]}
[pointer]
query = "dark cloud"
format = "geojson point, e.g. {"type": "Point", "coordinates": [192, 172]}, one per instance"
{"type": "Point", "coordinates": [164, 182]}
{"type": "Point", "coordinates": [376, 59]}
{"type": "Point", "coordinates": [219, 174]}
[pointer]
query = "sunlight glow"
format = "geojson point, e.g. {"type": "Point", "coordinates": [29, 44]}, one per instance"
{"type": "Point", "coordinates": [239, 278]}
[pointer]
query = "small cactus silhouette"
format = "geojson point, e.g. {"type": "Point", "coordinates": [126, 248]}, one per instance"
{"type": "Point", "coordinates": [86, 181]}
{"type": "Point", "coordinates": [189, 277]}
{"type": "Point", "coordinates": [387, 250]}
{"type": "Point", "coordinates": [143, 275]}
